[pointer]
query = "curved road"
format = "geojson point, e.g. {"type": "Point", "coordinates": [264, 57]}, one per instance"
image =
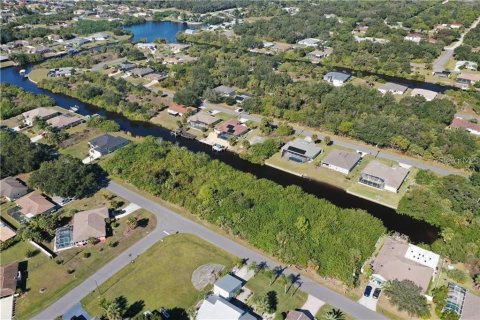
{"type": "Point", "coordinates": [168, 221]}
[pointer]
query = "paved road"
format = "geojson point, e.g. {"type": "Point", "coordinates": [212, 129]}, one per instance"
{"type": "Point", "coordinates": [347, 144]}
{"type": "Point", "coordinates": [171, 221]}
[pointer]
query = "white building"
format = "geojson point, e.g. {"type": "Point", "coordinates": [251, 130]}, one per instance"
{"type": "Point", "coordinates": [309, 42]}
{"type": "Point", "coordinates": [337, 79]}
{"type": "Point", "coordinates": [393, 88]}
{"type": "Point", "coordinates": [217, 308]}
{"type": "Point", "coordinates": [227, 287]}
{"type": "Point", "coordinates": [429, 95]}
{"type": "Point", "coordinates": [414, 37]}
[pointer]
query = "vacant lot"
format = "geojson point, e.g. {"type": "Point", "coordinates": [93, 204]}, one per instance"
{"type": "Point", "coordinates": [161, 277]}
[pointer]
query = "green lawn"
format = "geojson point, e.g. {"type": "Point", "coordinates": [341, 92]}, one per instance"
{"type": "Point", "coordinates": [325, 309]}
{"type": "Point", "coordinates": [161, 277]}
{"type": "Point", "coordinates": [260, 284]}
{"type": "Point", "coordinates": [38, 74]}
{"type": "Point", "coordinates": [166, 120]}
{"type": "Point", "coordinates": [46, 273]}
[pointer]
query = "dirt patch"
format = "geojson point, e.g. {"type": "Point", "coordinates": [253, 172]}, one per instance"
{"type": "Point", "coordinates": [205, 275]}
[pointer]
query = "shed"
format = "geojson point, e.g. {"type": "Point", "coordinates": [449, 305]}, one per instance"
{"type": "Point", "coordinates": [227, 287]}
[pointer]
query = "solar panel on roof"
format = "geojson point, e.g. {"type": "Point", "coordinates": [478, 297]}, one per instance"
{"type": "Point", "coordinates": [296, 150]}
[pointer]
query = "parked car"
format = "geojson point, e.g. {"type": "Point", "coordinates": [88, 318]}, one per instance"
{"type": "Point", "coordinates": [376, 293]}
{"type": "Point", "coordinates": [367, 292]}
{"type": "Point", "coordinates": [164, 95]}
{"type": "Point", "coordinates": [239, 110]}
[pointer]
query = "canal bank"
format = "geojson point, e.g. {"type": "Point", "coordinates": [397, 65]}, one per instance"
{"type": "Point", "coordinates": [418, 231]}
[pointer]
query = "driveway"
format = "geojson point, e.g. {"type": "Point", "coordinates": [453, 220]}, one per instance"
{"type": "Point", "coordinates": [36, 138]}
{"type": "Point", "coordinates": [312, 305]}
{"type": "Point", "coordinates": [132, 207]}
{"type": "Point", "coordinates": [169, 220]}
{"type": "Point", "coordinates": [369, 301]}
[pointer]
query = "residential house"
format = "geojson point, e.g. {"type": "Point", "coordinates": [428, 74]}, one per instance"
{"type": "Point", "coordinates": [441, 73]}
{"type": "Point", "coordinates": [383, 177]}
{"type": "Point", "coordinates": [39, 50]}
{"type": "Point", "coordinates": [33, 204]}
{"type": "Point", "coordinates": [156, 76]}
{"type": "Point", "coordinates": [393, 88]}
{"type": "Point", "coordinates": [337, 79]}
{"type": "Point", "coordinates": [9, 277]}
{"type": "Point", "coordinates": [217, 308]}
{"type": "Point", "coordinates": [225, 91]}
{"type": "Point", "coordinates": [230, 128]}
{"type": "Point", "coordinates": [241, 98]}
{"type": "Point", "coordinates": [12, 189]}
{"type": "Point", "coordinates": [471, 127]}
{"type": "Point", "coordinates": [147, 46]}
{"type": "Point", "coordinates": [468, 78]}
{"type": "Point", "coordinates": [190, 31]}
{"type": "Point", "coordinates": [414, 37]}
{"type": "Point", "coordinates": [299, 150]}
{"type": "Point", "coordinates": [77, 42]}
{"type": "Point", "coordinates": [139, 72]}
{"type": "Point", "coordinates": [89, 224]}
{"type": "Point", "coordinates": [403, 261]}
{"type": "Point", "coordinates": [456, 25]}
{"type": "Point", "coordinates": [105, 144]}
{"type": "Point", "coordinates": [470, 306]}
{"type": "Point", "coordinates": [178, 47]}
{"type": "Point", "coordinates": [320, 54]}
{"type": "Point", "coordinates": [227, 287]}
{"type": "Point", "coordinates": [297, 315]}
{"type": "Point", "coordinates": [64, 121]}
{"type": "Point", "coordinates": [126, 66]}
{"type": "Point", "coordinates": [370, 39]}
{"type": "Point", "coordinates": [310, 42]}
{"type": "Point", "coordinates": [6, 232]}
{"type": "Point", "coordinates": [470, 65]}
{"type": "Point", "coordinates": [202, 120]}
{"type": "Point", "coordinates": [341, 161]}
{"type": "Point", "coordinates": [429, 95]}
{"type": "Point", "coordinates": [98, 36]}
{"type": "Point", "coordinates": [177, 110]}
{"type": "Point", "coordinates": [61, 72]}
{"type": "Point", "coordinates": [4, 58]}
{"type": "Point", "coordinates": [41, 113]}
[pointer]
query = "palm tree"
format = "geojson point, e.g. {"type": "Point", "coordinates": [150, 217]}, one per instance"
{"type": "Point", "coordinates": [291, 279]}
{"type": "Point", "coordinates": [112, 309]}
{"type": "Point", "coordinates": [334, 314]}
{"type": "Point", "coordinates": [132, 223]}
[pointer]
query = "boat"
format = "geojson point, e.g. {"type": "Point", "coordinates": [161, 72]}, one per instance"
{"type": "Point", "coordinates": [22, 72]}
{"type": "Point", "coordinates": [218, 147]}
{"type": "Point", "coordinates": [74, 108]}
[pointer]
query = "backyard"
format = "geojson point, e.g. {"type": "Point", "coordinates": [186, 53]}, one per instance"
{"type": "Point", "coordinates": [149, 281]}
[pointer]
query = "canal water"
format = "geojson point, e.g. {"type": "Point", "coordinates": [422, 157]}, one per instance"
{"type": "Point", "coordinates": [418, 231]}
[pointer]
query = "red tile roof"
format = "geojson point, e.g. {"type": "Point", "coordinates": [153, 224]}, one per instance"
{"type": "Point", "coordinates": [232, 127]}
{"type": "Point", "coordinates": [178, 108]}
{"type": "Point", "coordinates": [461, 123]}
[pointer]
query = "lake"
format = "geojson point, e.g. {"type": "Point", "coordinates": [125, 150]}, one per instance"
{"type": "Point", "coordinates": [152, 30]}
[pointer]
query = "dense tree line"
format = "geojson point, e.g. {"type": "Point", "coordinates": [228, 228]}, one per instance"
{"type": "Point", "coordinates": [67, 177]}
{"type": "Point", "coordinates": [286, 222]}
{"type": "Point", "coordinates": [450, 203]}
{"type": "Point", "coordinates": [15, 100]}
{"type": "Point", "coordinates": [472, 38]}
{"type": "Point", "coordinates": [106, 92]}
{"type": "Point", "coordinates": [19, 155]}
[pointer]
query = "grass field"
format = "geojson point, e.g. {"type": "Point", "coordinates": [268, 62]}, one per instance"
{"type": "Point", "coordinates": [293, 299]}
{"type": "Point", "coordinates": [161, 277]}
{"type": "Point", "coordinates": [38, 74]}
{"type": "Point", "coordinates": [54, 277]}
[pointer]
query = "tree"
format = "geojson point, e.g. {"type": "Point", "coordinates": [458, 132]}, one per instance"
{"type": "Point", "coordinates": [334, 314]}
{"type": "Point", "coordinates": [112, 308]}
{"type": "Point", "coordinates": [67, 177]}
{"type": "Point", "coordinates": [407, 296]}
{"type": "Point", "coordinates": [327, 140]}
{"type": "Point", "coordinates": [265, 302]}
{"type": "Point", "coordinates": [132, 222]}
{"type": "Point", "coordinates": [284, 129]}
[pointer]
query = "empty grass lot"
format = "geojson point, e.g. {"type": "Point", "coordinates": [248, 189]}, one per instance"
{"type": "Point", "coordinates": [54, 277]}
{"type": "Point", "coordinates": [260, 285]}
{"type": "Point", "coordinates": [161, 277]}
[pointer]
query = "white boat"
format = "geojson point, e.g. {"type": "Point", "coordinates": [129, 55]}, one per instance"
{"type": "Point", "coordinates": [218, 147]}
{"type": "Point", "coordinates": [74, 108]}
{"type": "Point", "coordinates": [22, 72]}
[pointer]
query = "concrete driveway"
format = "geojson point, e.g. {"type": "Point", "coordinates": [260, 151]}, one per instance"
{"type": "Point", "coordinates": [370, 302]}
{"type": "Point", "coordinates": [312, 305]}
{"type": "Point", "coordinates": [128, 209]}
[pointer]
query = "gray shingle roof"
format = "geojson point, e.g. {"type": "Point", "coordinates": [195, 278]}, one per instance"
{"type": "Point", "coordinates": [342, 159]}
{"type": "Point", "coordinates": [228, 283]}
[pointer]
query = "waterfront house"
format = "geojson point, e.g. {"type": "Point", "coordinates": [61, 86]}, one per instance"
{"type": "Point", "coordinates": [33, 204]}
{"type": "Point", "coordinates": [147, 46]}
{"type": "Point", "coordinates": [393, 88]}
{"type": "Point", "coordinates": [227, 287]}
{"type": "Point", "coordinates": [337, 79]}
{"type": "Point", "coordinates": [341, 161]}
{"type": "Point", "coordinates": [105, 144]}
{"type": "Point", "coordinates": [468, 78]}
{"type": "Point", "coordinates": [41, 113]}
{"type": "Point", "coordinates": [429, 95]}
{"type": "Point", "coordinates": [202, 120]}
{"type": "Point", "coordinates": [64, 121]}
{"type": "Point", "coordinates": [383, 177]}
{"type": "Point", "coordinates": [98, 37]}
{"type": "Point", "coordinates": [61, 72]}
{"type": "Point", "coordinates": [403, 261]}
{"type": "Point", "coordinates": [225, 91]}
{"type": "Point", "coordinates": [471, 127]}
{"type": "Point", "coordinates": [230, 128]}
{"type": "Point", "coordinates": [299, 150]}
{"type": "Point", "coordinates": [177, 110]}
{"type": "Point", "coordinates": [12, 189]}
{"type": "Point", "coordinates": [178, 47]}
{"type": "Point", "coordinates": [320, 54]}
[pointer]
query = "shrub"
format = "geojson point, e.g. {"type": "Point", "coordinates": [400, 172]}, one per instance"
{"type": "Point", "coordinates": [457, 275]}
{"type": "Point", "coordinates": [31, 253]}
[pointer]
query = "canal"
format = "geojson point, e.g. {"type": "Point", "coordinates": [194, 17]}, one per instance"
{"type": "Point", "coordinates": [418, 231]}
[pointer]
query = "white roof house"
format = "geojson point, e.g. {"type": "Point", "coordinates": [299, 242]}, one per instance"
{"type": "Point", "coordinates": [429, 95]}
{"type": "Point", "coordinates": [227, 287]}
{"type": "Point", "coordinates": [337, 79]}
{"type": "Point", "coordinates": [309, 42]}
{"type": "Point", "coordinates": [422, 256]}
{"type": "Point", "coordinates": [393, 88]}
{"type": "Point", "coordinates": [217, 308]}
